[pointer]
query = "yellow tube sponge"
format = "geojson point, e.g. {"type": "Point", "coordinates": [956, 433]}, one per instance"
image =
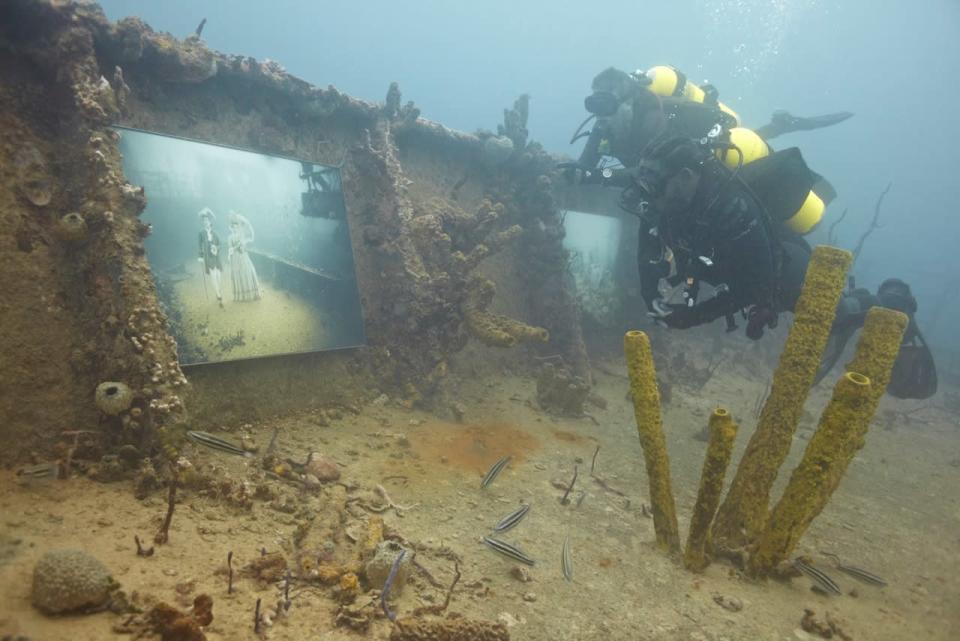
{"type": "Point", "coordinates": [878, 347]}
{"type": "Point", "coordinates": [493, 329]}
{"type": "Point", "coordinates": [522, 331]}
{"type": "Point", "coordinates": [723, 431]}
{"type": "Point", "coordinates": [743, 512]}
{"type": "Point", "coordinates": [488, 329]}
{"type": "Point", "coordinates": [646, 407]}
{"type": "Point", "coordinates": [836, 441]}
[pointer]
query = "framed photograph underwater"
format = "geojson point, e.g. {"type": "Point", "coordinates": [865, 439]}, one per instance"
{"type": "Point", "coordinates": [593, 242]}
{"type": "Point", "coordinates": [250, 252]}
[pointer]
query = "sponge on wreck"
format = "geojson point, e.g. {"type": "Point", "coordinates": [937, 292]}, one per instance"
{"type": "Point", "coordinates": [500, 331]}
{"type": "Point", "coordinates": [70, 580]}
{"type": "Point", "coordinates": [460, 629]}
{"type": "Point", "coordinates": [832, 447]}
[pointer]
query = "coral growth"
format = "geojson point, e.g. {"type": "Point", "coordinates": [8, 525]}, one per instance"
{"type": "Point", "coordinates": [374, 534]}
{"type": "Point", "coordinates": [744, 511]}
{"type": "Point", "coordinates": [840, 435]}
{"type": "Point", "coordinates": [349, 587]}
{"type": "Point", "coordinates": [72, 228]}
{"type": "Point", "coordinates": [112, 398]}
{"type": "Point", "coordinates": [173, 625]}
{"type": "Point", "coordinates": [450, 629]}
{"type": "Point", "coordinates": [419, 246]}
{"type": "Point", "coordinates": [878, 347]}
{"type": "Point", "coordinates": [514, 124]}
{"type": "Point", "coordinates": [646, 407]}
{"type": "Point", "coordinates": [267, 568]}
{"type": "Point", "coordinates": [561, 392]}
{"type": "Point", "coordinates": [838, 438]}
{"type": "Point", "coordinates": [70, 580]}
{"type": "Point", "coordinates": [378, 568]}
{"type": "Point", "coordinates": [494, 329]}
{"type": "Point", "coordinates": [723, 431]}
{"type": "Point", "coordinates": [425, 250]}
{"type": "Point", "coordinates": [32, 175]}
{"type": "Point", "coordinates": [546, 280]}
{"type": "Point", "coordinates": [825, 629]}
{"type": "Point", "coordinates": [90, 324]}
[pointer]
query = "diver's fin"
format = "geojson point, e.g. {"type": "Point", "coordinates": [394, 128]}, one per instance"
{"type": "Point", "coordinates": [783, 122]}
{"type": "Point", "coordinates": [836, 343]}
{"type": "Point", "coordinates": [823, 188]}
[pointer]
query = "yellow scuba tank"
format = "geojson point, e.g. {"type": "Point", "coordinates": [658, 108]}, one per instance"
{"type": "Point", "coordinates": [754, 148]}
{"type": "Point", "coordinates": [667, 81]}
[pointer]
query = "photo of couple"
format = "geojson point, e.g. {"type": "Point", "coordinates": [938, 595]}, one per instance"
{"type": "Point", "coordinates": [243, 275]}
{"type": "Point", "coordinates": [251, 253]}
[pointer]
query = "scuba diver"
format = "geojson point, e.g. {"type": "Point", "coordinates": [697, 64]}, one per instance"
{"type": "Point", "coordinates": [633, 110]}
{"type": "Point", "coordinates": [914, 372]}
{"type": "Point", "coordinates": [718, 207]}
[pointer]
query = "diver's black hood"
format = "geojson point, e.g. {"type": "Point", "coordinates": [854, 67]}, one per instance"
{"type": "Point", "coordinates": [895, 294]}
{"type": "Point", "coordinates": [611, 87]}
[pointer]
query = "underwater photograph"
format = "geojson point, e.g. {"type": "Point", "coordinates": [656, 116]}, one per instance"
{"type": "Point", "coordinates": [489, 321]}
{"type": "Point", "coordinates": [286, 288]}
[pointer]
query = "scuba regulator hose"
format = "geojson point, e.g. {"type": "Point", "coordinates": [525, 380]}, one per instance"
{"type": "Point", "coordinates": [728, 146]}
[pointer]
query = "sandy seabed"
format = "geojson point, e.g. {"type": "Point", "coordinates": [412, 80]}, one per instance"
{"type": "Point", "coordinates": [896, 514]}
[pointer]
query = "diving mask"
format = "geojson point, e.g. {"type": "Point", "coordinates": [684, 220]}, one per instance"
{"type": "Point", "coordinates": [602, 104]}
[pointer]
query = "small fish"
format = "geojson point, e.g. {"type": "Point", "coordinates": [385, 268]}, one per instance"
{"type": "Point", "coordinates": [41, 472]}
{"type": "Point", "coordinates": [858, 573]}
{"type": "Point", "coordinates": [217, 443]}
{"type": "Point", "coordinates": [511, 519]}
{"type": "Point", "coordinates": [823, 581]}
{"type": "Point", "coordinates": [492, 474]}
{"type": "Point", "coordinates": [862, 575]}
{"type": "Point", "coordinates": [566, 560]}
{"type": "Point", "coordinates": [508, 550]}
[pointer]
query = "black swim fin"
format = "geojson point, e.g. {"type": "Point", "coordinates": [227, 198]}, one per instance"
{"type": "Point", "coordinates": [783, 122]}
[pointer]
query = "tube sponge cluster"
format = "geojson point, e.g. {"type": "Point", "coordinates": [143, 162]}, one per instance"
{"type": "Point", "coordinates": [837, 439]}
{"type": "Point", "coordinates": [744, 511]}
{"type": "Point", "coordinates": [742, 523]}
{"type": "Point", "coordinates": [840, 435]}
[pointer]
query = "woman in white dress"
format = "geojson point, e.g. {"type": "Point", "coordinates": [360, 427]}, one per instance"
{"type": "Point", "coordinates": [246, 285]}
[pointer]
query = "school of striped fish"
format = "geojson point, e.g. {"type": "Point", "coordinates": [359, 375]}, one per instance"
{"type": "Point", "coordinates": [822, 581]}
{"type": "Point", "coordinates": [510, 521]}
{"type": "Point", "coordinates": [825, 583]}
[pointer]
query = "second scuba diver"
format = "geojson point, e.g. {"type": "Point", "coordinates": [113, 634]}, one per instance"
{"type": "Point", "coordinates": [718, 206]}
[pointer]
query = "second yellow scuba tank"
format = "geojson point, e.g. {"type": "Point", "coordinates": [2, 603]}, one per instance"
{"type": "Point", "coordinates": [754, 148]}
{"type": "Point", "coordinates": [666, 81]}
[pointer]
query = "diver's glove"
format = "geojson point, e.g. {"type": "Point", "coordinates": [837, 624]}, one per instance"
{"type": "Point", "coordinates": [759, 318]}
{"type": "Point", "coordinates": [674, 316]}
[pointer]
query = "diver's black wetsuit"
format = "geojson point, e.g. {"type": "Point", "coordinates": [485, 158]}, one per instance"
{"type": "Point", "coordinates": [730, 243]}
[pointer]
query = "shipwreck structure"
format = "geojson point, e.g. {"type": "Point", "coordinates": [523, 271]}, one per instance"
{"type": "Point", "coordinates": [428, 208]}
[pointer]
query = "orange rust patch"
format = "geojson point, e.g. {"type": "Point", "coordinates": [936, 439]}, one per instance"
{"type": "Point", "coordinates": [605, 562]}
{"type": "Point", "coordinates": [471, 447]}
